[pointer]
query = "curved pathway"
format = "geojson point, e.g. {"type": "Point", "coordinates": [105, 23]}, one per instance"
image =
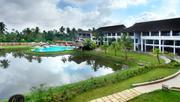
{"type": "Point", "coordinates": [129, 94]}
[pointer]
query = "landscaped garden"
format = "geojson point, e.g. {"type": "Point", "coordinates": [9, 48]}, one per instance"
{"type": "Point", "coordinates": [109, 70]}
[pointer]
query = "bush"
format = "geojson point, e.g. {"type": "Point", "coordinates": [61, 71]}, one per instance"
{"type": "Point", "coordinates": [88, 44]}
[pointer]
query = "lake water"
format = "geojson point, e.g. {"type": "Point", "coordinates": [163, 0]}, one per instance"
{"type": "Point", "coordinates": [20, 72]}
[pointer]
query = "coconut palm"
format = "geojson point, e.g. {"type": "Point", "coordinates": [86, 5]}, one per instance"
{"type": "Point", "coordinates": [157, 52]}
{"type": "Point", "coordinates": [105, 48]}
{"type": "Point", "coordinates": [125, 44]}
{"type": "Point", "coordinates": [2, 28]}
{"type": "Point", "coordinates": [115, 46]}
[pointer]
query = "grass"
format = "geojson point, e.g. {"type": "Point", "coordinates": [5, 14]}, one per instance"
{"type": "Point", "coordinates": [113, 88]}
{"type": "Point", "coordinates": [19, 47]}
{"type": "Point", "coordinates": [29, 52]}
{"type": "Point", "coordinates": [159, 96]}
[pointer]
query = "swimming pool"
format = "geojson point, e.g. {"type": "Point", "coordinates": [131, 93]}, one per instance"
{"type": "Point", "coordinates": [53, 48]}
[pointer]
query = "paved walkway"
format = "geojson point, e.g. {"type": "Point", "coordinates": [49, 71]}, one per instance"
{"type": "Point", "coordinates": [129, 94]}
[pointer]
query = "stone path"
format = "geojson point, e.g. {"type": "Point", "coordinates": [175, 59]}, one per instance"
{"type": "Point", "coordinates": [129, 94]}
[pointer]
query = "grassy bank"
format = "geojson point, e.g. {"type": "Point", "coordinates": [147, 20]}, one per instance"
{"type": "Point", "coordinates": [97, 87]}
{"type": "Point", "coordinates": [20, 47]}
{"type": "Point", "coordinates": [159, 96]}
{"type": "Point", "coordinates": [29, 52]}
{"type": "Point", "coordinates": [122, 85]}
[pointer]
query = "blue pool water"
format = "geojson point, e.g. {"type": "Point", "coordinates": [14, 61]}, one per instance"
{"type": "Point", "coordinates": [53, 48]}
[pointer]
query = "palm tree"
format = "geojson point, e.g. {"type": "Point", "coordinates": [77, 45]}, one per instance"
{"type": "Point", "coordinates": [125, 44]}
{"type": "Point", "coordinates": [115, 46]}
{"type": "Point", "coordinates": [4, 63]}
{"type": "Point", "coordinates": [2, 28]}
{"type": "Point", "coordinates": [157, 52]}
{"type": "Point", "coordinates": [62, 29]}
{"type": "Point", "coordinates": [105, 48]}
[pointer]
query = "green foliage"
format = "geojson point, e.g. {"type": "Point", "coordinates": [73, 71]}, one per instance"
{"type": "Point", "coordinates": [35, 34]}
{"type": "Point", "coordinates": [115, 46]}
{"type": "Point", "coordinates": [105, 47]}
{"type": "Point", "coordinates": [125, 44]}
{"type": "Point", "coordinates": [88, 44]}
{"type": "Point", "coordinates": [157, 52]}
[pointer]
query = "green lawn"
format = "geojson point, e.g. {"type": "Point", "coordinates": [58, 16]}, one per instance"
{"type": "Point", "coordinates": [159, 96]}
{"type": "Point", "coordinates": [19, 47]}
{"type": "Point", "coordinates": [29, 52]}
{"type": "Point", "coordinates": [112, 88]}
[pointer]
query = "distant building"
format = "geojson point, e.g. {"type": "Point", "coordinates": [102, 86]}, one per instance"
{"type": "Point", "coordinates": [82, 35]}
{"type": "Point", "coordinates": [110, 33]}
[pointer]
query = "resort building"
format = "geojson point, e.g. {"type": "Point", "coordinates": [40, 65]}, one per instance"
{"type": "Point", "coordinates": [162, 34]}
{"type": "Point", "coordinates": [110, 33]}
{"type": "Point", "coordinates": [146, 36]}
{"type": "Point", "coordinates": [82, 35]}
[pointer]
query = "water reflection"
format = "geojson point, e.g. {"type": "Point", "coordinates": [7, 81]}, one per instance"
{"type": "Point", "coordinates": [4, 63]}
{"type": "Point", "coordinates": [26, 71]}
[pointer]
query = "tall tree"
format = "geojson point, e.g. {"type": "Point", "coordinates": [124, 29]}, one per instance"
{"type": "Point", "coordinates": [2, 28]}
{"type": "Point", "coordinates": [68, 30]}
{"type": "Point", "coordinates": [62, 29]}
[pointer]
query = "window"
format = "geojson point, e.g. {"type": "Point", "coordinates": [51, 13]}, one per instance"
{"type": "Point", "coordinates": [136, 40]}
{"type": "Point", "coordinates": [109, 34]}
{"type": "Point", "coordinates": [105, 39]}
{"type": "Point", "coordinates": [88, 35]}
{"type": "Point", "coordinates": [176, 33]}
{"type": "Point", "coordinates": [165, 33]}
{"type": "Point", "coordinates": [118, 34]}
{"type": "Point", "coordinates": [154, 33]}
{"type": "Point", "coordinates": [168, 42]}
{"type": "Point", "coordinates": [156, 41]}
{"type": "Point", "coordinates": [177, 43]}
{"type": "Point", "coordinates": [113, 34]}
{"type": "Point", "coordinates": [131, 34]}
{"type": "Point", "coordinates": [145, 34]}
{"type": "Point", "coordinates": [149, 41]}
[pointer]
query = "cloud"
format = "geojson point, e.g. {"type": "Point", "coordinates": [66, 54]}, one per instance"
{"type": "Point", "coordinates": [125, 3]}
{"type": "Point", "coordinates": [168, 9]}
{"type": "Point", "coordinates": [48, 14]}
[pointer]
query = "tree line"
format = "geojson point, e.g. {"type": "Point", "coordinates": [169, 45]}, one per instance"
{"type": "Point", "coordinates": [36, 35]}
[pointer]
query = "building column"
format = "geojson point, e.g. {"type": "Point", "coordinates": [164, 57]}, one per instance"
{"type": "Point", "coordinates": [141, 43]}
{"type": "Point", "coordinates": [134, 42]}
{"type": "Point", "coordinates": [145, 45]}
{"type": "Point", "coordinates": [174, 47]}
{"type": "Point", "coordinates": [149, 33]}
{"type": "Point", "coordinates": [153, 45]}
{"type": "Point", "coordinates": [160, 41]}
{"type": "Point", "coordinates": [171, 33]}
{"type": "Point", "coordinates": [162, 46]}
